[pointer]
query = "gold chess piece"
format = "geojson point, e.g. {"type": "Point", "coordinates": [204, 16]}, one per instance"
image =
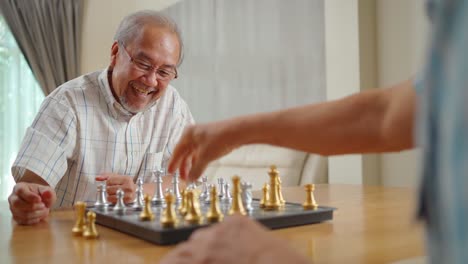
{"type": "Point", "coordinates": [193, 215]}
{"type": "Point", "coordinates": [280, 193]}
{"type": "Point", "coordinates": [183, 205]}
{"type": "Point", "coordinates": [91, 231]}
{"type": "Point", "coordinates": [168, 217]}
{"type": "Point", "coordinates": [273, 203]}
{"type": "Point", "coordinates": [237, 207]}
{"type": "Point", "coordinates": [214, 214]}
{"type": "Point", "coordinates": [264, 195]}
{"type": "Point", "coordinates": [147, 214]}
{"type": "Point", "coordinates": [310, 203]}
{"type": "Point", "coordinates": [80, 224]}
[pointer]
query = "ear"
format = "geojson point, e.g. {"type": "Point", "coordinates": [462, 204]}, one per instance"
{"type": "Point", "coordinates": [114, 52]}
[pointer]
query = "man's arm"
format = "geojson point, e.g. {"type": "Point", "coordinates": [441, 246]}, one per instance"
{"type": "Point", "coordinates": [31, 199]}
{"type": "Point", "coordinates": [372, 121]}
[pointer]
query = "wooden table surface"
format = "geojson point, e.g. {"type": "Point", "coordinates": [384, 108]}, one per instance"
{"type": "Point", "coordinates": [371, 225]}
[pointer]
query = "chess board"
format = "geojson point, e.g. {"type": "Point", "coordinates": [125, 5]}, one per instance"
{"type": "Point", "coordinates": [292, 214]}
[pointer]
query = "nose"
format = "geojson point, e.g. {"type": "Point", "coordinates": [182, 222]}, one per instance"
{"type": "Point", "coordinates": [151, 79]}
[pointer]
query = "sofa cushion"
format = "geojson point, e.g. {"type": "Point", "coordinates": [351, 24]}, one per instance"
{"type": "Point", "coordinates": [252, 164]}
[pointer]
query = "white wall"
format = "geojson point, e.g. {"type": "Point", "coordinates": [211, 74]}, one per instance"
{"type": "Point", "coordinates": [101, 18]}
{"type": "Point", "coordinates": [401, 37]}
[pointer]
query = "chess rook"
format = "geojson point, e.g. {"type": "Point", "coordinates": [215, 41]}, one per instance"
{"type": "Point", "coordinates": [310, 203]}
{"type": "Point", "coordinates": [101, 197]}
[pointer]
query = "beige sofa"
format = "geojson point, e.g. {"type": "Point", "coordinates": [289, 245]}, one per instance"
{"type": "Point", "coordinates": [252, 163]}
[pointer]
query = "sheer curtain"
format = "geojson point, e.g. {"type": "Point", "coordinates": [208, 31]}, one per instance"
{"type": "Point", "coordinates": [246, 56]}
{"type": "Point", "coordinates": [20, 98]}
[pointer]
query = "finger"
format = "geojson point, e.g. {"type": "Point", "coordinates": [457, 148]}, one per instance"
{"type": "Point", "coordinates": [112, 198]}
{"type": "Point", "coordinates": [48, 195]}
{"type": "Point", "coordinates": [27, 194]}
{"type": "Point", "coordinates": [17, 203]}
{"type": "Point", "coordinates": [111, 190]}
{"type": "Point", "coordinates": [129, 197]}
{"type": "Point", "coordinates": [118, 180]}
{"type": "Point", "coordinates": [31, 216]}
{"type": "Point", "coordinates": [197, 169]}
{"type": "Point", "coordinates": [182, 149]}
{"type": "Point", "coordinates": [185, 167]}
{"type": "Point", "coordinates": [102, 177]}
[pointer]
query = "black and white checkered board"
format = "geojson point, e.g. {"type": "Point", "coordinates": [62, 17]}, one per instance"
{"type": "Point", "coordinates": [291, 215]}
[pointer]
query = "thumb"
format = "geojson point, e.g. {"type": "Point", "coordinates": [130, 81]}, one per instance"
{"type": "Point", "coordinates": [48, 195]}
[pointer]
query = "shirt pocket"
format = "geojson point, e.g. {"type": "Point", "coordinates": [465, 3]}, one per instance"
{"type": "Point", "coordinates": [152, 162]}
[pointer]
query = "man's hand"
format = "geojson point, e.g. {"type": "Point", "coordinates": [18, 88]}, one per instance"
{"type": "Point", "coordinates": [115, 182]}
{"type": "Point", "coordinates": [198, 146]}
{"type": "Point", "coordinates": [236, 240]}
{"type": "Point", "coordinates": [31, 202]}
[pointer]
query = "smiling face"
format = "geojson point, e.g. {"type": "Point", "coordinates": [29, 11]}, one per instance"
{"type": "Point", "coordinates": [136, 89]}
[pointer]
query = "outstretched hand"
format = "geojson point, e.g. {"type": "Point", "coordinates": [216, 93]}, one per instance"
{"type": "Point", "coordinates": [198, 146]}
{"type": "Point", "coordinates": [238, 239]}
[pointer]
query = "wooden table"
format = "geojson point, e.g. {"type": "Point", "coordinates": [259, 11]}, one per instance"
{"type": "Point", "coordinates": [372, 225]}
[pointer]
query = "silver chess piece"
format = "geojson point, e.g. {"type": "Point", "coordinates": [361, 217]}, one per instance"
{"type": "Point", "coordinates": [205, 192]}
{"type": "Point", "coordinates": [226, 198]}
{"type": "Point", "coordinates": [138, 203]}
{"type": "Point", "coordinates": [246, 195]}
{"type": "Point", "coordinates": [101, 197]}
{"type": "Point", "coordinates": [207, 199]}
{"type": "Point", "coordinates": [158, 197]}
{"type": "Point", "coordinates": [221, 187]}
{"type": "Point", "coordinates": [119, 207]}
{"type": "Point", "coordinates": [175, 188]}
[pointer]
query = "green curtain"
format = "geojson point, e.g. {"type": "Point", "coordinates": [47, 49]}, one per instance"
{"type": "Point", "coordinates": [20, 98]}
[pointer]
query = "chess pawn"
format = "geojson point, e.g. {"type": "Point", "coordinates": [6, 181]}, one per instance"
{"type": "Point", "coordinates": [236, 207]}
{"type": "Point", "coordinates": [91, 231]}
{"type": "Point", "coordinates": [146, 214]}
{"type": "Point", "coordinates": [101, 197]}
{"type": "Point", "coordinates": [138, 203]}
{"type": "Point", "coordinates": [264, 195]}
{"type": "Point", "coordinates": [80, 223]}
{"type": "Point", "coordinates": [193, 210]}
{"type": "Point", "coordinates": [273, 203]}
{"type": "Point", "coordinates": [168, 217]}
{"type": "Point", "coordinates": [208, 199]}
{"type": "Point", "coordinates": [183, 204]}
{"type": "Point", "coordinates": [214, 213]}
{"type": "Point", "coordinates": [119, 207]}
{"type": "Point", "coordinates": [310, 203]}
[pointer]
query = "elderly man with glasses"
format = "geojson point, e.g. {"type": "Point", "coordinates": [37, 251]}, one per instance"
{"type": "Point", "coordinates": [118, 124]}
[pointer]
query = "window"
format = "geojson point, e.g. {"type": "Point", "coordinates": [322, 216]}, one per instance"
{"type": "Point", "coordinates": [20, 98]}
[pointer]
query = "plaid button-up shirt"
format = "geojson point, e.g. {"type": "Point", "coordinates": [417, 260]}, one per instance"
{"type": "Point", "coordinates": [81, 131]}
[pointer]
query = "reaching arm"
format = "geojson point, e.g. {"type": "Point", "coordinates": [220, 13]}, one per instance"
{"type": "Point", "coordinates": [372, 121]}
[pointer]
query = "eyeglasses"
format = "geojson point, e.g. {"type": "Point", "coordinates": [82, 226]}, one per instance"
{"type": "Point", "coordinates": [147, 68]}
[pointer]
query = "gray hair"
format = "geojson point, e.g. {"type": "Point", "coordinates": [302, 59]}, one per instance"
{"type": "Point", "coordinates": [130, 27]}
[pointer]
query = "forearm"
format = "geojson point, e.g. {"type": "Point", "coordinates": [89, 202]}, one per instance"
{"type": "Point", "coordinates": [360, 123]}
